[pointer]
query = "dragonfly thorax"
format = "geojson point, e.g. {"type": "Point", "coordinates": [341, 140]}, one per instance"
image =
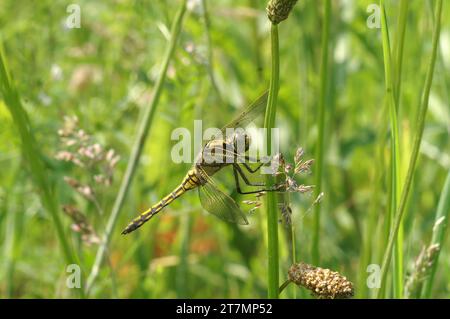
{"type": "Point", "coordinates": [221, 152]}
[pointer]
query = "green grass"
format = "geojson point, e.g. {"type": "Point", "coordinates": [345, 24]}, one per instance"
{"type": "Point", "coordinates": [321, 114]}
{"type": "Point", "coordinates": [370, 106]}
{"type": "Point", "coordinates": [271, 202]}
{"type": "Point", "coordinates": [34, 162]}
{"type": "Point", "coordinates": [395, 151]}
{"type": "Point", "coordinates": [399, 211]}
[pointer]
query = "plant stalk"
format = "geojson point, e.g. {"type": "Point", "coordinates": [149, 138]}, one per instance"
{"type": "Point", "coordinates": [272, 207]}
{"type": "Point", "coordinates": [319, 154]}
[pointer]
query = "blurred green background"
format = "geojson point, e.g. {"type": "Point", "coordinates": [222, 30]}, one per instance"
{"type": "Point", "coordinates": [104, 73]}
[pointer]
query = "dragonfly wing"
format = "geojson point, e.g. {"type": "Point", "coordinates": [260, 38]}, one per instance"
{"type": "Point", "coordinates": [218, 203]}
{"type": "Point", "coordinates": [249, 114]}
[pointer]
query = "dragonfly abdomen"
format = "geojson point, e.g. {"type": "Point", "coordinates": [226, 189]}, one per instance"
{"type": "Point", "coordinates": [191, 181]}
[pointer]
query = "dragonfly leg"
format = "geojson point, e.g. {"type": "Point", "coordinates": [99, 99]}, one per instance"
{"type": "Point", "coordinates": [238, 171]}
{"type": "Point", "coordinates": [252, 170]}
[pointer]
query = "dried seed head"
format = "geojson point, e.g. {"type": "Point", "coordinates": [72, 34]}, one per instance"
{"type": "Point", "coordinates": [287, 168]}
{"type": "Point", "coordinates": [298, 155]}
{"type": "Point", "coordinates": [303, 167]}
{"type": "Point", "coordinates": [291, 184]}
{"type": "Point", "coordinates": [318, 198]}
{"type": "Point", "coordinates": [84, 190]}
{"type": "Point", "coordinates": [278, 10]}
{"type": "Point", "coordinates": [304, 188]}
{"type": "Point", "coordinates": [81, 225]}
{"type": "Point", "coordinates": [286, 213]}
{"type": "Point", "coordinates": [80, 148]}
{"type": "Point", "coordinates": [323, 283]}
{"type": "Point", "coordinates": [65, 156]}
{"type": "Point", "coordinates": [421, 271]}
{"type": "Point", "coordinates": [255, 203]}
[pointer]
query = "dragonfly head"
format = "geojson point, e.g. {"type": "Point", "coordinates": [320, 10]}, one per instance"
{"type": "Point", "coordinates": [241, 141]}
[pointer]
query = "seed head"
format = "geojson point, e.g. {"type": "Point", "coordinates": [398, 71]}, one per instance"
{"type": "Point", "coordinates": [421, 271]}
{"type": "Point", "coordinates": [81, 225]}
{"type": "Point", "coordinates": [286, 213]}
{"type": "Point", "coordinates": [278, 10]}
{"type": "Point", "coordinates": [323, 283]}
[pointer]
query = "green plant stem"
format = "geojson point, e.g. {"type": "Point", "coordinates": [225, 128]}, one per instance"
{"type": "Point", "coordinates": [284, 285]}
{"type": "Point", "coordinates": [392, 79]}
{"type": "Point", "coordinates": [33, 158]}
{"type": "Point", "coordinates": [210, 66]}
{"type": "Point", "coordinates": [439, 230]}
{"type": "Point", "coordinates": [293, 248]}
{"type": "Point", "coordinates": [416, 146]}
{"type": "Point", "coordinates": [395, 149]}
{"type": "Point", "coordinates": [138, 145]}
{"type": "Point", "coordinates": [319, 154]}
{"type": "Point", "coordinates": [272, 209]}
{"type": "Point", "coordinates": [399, 45]}
{"type": "Point", "coordinates": [397, 76]}
{"type": "Point", "coordinates": [10, 245]}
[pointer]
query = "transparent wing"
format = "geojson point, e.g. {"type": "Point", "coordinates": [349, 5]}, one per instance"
{"type": "Point", "coordinates": [249, 114]}
{"type": "Point", "coordinates": [218, 203]}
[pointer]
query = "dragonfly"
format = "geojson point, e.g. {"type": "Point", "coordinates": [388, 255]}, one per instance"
{"type": "Point", "coordinates": [232, 149]}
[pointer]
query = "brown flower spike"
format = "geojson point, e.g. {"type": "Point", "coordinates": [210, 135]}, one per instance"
{"type": "Point", "coordinates": [278, 10]}
{"type": "Point", "coordinates": [324, 283]}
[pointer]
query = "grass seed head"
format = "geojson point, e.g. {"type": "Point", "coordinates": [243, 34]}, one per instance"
{"type": "Point", "coordinates": [323, 283]}
{"type": "Point", "coordinates": [278, 10]}
{"type": "Point", "coordinates": [421, 271]}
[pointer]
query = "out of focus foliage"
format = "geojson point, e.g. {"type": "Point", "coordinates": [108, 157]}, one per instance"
{"type": "Point", "coordinates": [104, 74]}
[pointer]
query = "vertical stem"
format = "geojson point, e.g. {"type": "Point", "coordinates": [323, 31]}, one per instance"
{"type": "Point", "coordinates": [139, 142]}
{"type": "Point", "coordinates": [397, 76]}
{"type": "Point", "coordinates": [416, 146]}
{"type": "Point", "coordinates": [272, 211]}
{"type": "Point", "coordinates": [293, 251]}
{"type": "Point", "coordinates": [395, 154]}
{"type": "Point", "coordinates": [399, 45]}
{"type": "Point", "coordinates": [321, 128]}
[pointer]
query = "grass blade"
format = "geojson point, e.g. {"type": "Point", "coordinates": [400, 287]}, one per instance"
{"type": "Point", "coordinates": [395, 148]}
{"type": "Point", "coordinates": [319, 155]}
{"type": "Point", "coordinates": [272, 207]}
{"type": "Point", "coordinates": [416, 146]}
{"type": "Point", "coordinates": [33, 157]}
{"type": "Point", "coordinates": [399, 45]}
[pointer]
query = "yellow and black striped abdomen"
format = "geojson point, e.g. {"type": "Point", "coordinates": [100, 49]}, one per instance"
{"type": "Point", "coordinates": [191, 181]}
